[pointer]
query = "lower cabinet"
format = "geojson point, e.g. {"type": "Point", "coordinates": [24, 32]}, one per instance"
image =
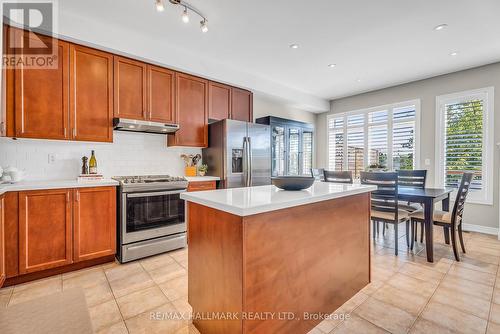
{"type": "Point", "coordinates": [45, 231]}
{"type": "Point", "coordinates": [2, 241]}
{"type": "Point", "coordinates": [201, 185]}
{"type": "Point", "coordinates": [94, 223]}
{"type": "Point", "coordinates": [63, 226]}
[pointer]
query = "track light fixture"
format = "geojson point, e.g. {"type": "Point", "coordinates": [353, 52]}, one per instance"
{"type": "Point", "coordinates": [185, 15]}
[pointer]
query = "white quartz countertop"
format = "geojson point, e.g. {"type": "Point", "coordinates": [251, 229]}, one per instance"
{"type": "Point", "coordinates": [254, 200]}
{"type": "Point", "coordinates": [54, 184]}
{"type": "Point", "coordinates": [201, 178]}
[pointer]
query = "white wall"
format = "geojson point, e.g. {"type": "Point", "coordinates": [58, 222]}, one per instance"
{"type": "Point", "coordinates": [129, 154]}
{"type": "Point", "coordinates": [426, 91]}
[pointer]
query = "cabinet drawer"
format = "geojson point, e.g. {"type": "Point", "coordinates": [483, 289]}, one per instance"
{"type": "Point", "coordinates": [201, 185]}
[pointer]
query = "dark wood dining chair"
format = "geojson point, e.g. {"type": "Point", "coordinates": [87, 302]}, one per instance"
{"type": "Point", "coordinates": [412, 179]}
{"type": "Point", "coordinates": [338, 176]}
{"type": "Point", "coordinates": [384, 202]}
{"type": "Point", "coordinates": [450, 221]}
{"type": "Point", "coordinates": [318, 174]}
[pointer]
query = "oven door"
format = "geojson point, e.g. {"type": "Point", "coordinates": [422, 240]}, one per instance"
{"type": "Point", "coordinates": [148, 215]}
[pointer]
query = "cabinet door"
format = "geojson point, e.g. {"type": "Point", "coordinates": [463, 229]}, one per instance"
{"type": "Point", "coordinates": [191, 111]}
{"type": "Point", "coordinates": [91, 94]}
{"type": "Point", "coordinates": [219, 97]}
{"type": "Point", "coordinates": [242, 105]}
{"type": "Point", "coordinates": [201, 185]}
{"type": "Point", "coordinates": [94, 221]}
{"type": "Point", "coordinates": [41, 97]}
{"type": "Point", "coordinates": [2, 242]}
{"type": "Point", "coordinates": [278, 150]}
{"type": "Point", "coordinates": [129, 88]}
{"type": "Point", "coordinates": [161, 92]}
{"type": "Point", "coordinates": [45, 235]}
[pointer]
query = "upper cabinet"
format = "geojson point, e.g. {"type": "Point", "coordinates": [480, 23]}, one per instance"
{"type": "Point", "coordinates": [41, 96]}
{"type": "Point", "coordinates": [219, 97]}
{"type": "Point", "coordinates": [91, 94]}
{"type": "Point", "coordinates": [161, 93]}
{"type": "Point", "coordinates": [130, 94]}
{"type": "Point", "coordinates": [241, 105]}
{"type": "Point", "coordinates": [191, 111]}
{"type": "Point", "coordinates": [78, 99]}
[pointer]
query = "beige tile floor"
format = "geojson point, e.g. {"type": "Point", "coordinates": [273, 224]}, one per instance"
{"type": "Point", "coordinates": [407, 294]}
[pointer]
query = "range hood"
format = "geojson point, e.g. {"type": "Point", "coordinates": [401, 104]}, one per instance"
{"type": "Point", "coordinates": [125, 124]}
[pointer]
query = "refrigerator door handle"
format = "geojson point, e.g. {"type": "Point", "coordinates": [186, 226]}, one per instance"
{"type": "Point", "coordinates": [249, 149]}
{"type": "Point", "coordinates": [245, 162]}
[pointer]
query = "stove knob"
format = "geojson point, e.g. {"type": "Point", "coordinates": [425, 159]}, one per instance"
{"type": "Point", "coordinates": [125, 181]}
{"type": "Point", "coordinates": [132, 180]}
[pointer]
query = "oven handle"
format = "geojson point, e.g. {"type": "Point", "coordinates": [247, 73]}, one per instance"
{"type": "Point", "coordinates": [158, 193]}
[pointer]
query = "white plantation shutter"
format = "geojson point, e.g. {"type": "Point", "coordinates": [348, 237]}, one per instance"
{"type": "Point", "coordinates": [336, 143]}
{"type": "Point", "coordinates": [384, 136]}
{"type": "Point", "coordinates": [465, 141]}
{"type": "Point", "coordinates": [307, 151]}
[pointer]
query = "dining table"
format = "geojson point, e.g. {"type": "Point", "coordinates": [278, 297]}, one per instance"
{"type": "Point", "coordinates": [427, 197]}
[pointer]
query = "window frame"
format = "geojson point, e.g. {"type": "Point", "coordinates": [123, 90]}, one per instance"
{"type": "Point", "coordinates": [484, 196]}
{"type": "Point", "coordinates": [366, 125]}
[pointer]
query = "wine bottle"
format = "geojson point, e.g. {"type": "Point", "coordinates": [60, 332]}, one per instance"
{"type": "Point", "coordinates": [92, 164]}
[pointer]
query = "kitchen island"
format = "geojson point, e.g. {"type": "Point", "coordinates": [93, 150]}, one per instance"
{"type": "Point", "coordinates": [264, 260]}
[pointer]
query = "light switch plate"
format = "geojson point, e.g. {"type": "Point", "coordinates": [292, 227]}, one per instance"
{"type": "Point", "coordinates": [427, 162]}
{"type": "Point", "coordinates": [52, 158]}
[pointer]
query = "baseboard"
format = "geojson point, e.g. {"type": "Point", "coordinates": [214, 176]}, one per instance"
{"type": "Point", "coordinates": [480, 229]}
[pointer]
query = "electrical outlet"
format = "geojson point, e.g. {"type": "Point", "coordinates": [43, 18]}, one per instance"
{"type": "Point", "coordinates": [427, 162]}
{"type": "Point", "coordinates": [52, 158]}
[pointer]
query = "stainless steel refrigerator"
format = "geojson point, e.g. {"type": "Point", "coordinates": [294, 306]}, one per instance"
{"type": "Point", "coordinates": [239, 153]}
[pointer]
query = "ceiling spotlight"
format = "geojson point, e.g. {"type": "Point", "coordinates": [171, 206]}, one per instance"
{"type": "Point", "coordinates": [454, 53]}
{"type": "Point", "coordinates": [440, 27]}
{"type": "Point", "coordinates": [160, 6]}
{"type": "Point", "coordinates": [185, 16]}
{"type": "Point", "coordinates": [294, 46]}
{"type": "Point", "coordinates": [332, 65]}
{"type": "Point", "coordinates": [358, 80]}
{"type": "Point", "coordinates": [203, 25]}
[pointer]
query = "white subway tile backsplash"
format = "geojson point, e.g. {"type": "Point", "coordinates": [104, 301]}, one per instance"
{"type": "Point", "coordinates": [129, 154]}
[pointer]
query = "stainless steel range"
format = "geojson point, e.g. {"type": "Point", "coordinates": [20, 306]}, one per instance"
{"type": "Point", "coordinates": [151, 215]}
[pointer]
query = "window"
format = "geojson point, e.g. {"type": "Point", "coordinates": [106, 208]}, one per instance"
{"type": "Point", "coordinates": [307, 151]}
{"type": "Point", "coordinates": [385, 136]}
{"type": "Point", "coordinates": [464, 137]}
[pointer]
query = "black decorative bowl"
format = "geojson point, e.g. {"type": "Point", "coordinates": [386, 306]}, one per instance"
{"type": "Point", "coordinates": [292, 182]}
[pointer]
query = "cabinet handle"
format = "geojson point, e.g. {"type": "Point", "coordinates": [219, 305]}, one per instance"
{"type": "Point", "coordinates": [77, 196]}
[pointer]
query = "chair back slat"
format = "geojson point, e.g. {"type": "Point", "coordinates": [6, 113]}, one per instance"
{"type": "Point", "coordinates": [385, 198]}
{"type": "Point", "coordinates": [318, 174]}
{"type": "Point", "coordinates": [412, 178]}
{"type": "Point", "coordinates": [463, 191]}
{"type": "Point", "coordinates": [338, 176]}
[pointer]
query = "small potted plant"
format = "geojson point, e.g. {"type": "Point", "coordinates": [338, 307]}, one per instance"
{"type": "Point", "coordinates": [202, 170]}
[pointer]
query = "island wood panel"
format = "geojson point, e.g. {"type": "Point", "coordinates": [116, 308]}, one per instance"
{"type": "Point", "coordinates": [11, 224]}
{"type": "Point", "coordinates": [161, 94]}
{"type": "Point", "coordinates": [91, 94]}
{"type": "Point", "coordinates": [130, 86]}
{"type": "Point", "coordinates": [310, 258]}
{"type": "Point", "coordinates": [45, 229]}
{"type": "Point", "coordinates": [2, 242]}
{"type": "Point", "coordinates": [94, 222]}
{"type": "Point", "coordinates": [215, 267]}
{"type": "Point", "coordinates": [41, 96]}
{"type": "Point", "coordinates": [219, 97]}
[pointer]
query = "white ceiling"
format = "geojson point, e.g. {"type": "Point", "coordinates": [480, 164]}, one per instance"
{"type": "Point", "coordinates": [380, 42]}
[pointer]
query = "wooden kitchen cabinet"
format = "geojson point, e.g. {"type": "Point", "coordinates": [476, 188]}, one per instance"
{"type": "Point", "coordinates": [191, 111]}
{"type": "Point", "coordinates": [45, 229]}
{"type": "Point", "coordinates": [41, 96]}
{"type": "Point", "coordinates": [241, 105]}
{"type": "Point", "coordinates": [219, 97]}
{"type": "Point", "coordinates": [201, 185]}
{"type": "Point", "coordinates": [130, 91]}
{"type": "Point", "coordinates": [94, 222]}
{"type": "Point", "coordinates": [2, 242]}
{"type": "Point", "coordinates": [161, 94]}
{"type": "Point", "coordinates": [91, 94]}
